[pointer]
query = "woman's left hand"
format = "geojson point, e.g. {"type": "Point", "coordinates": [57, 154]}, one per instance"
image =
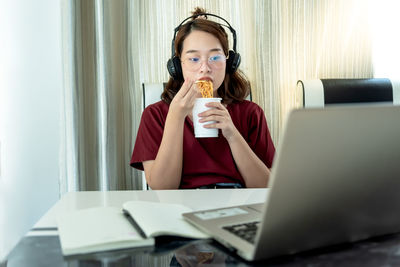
{"type": "Point", "coordinates": [222, 118]}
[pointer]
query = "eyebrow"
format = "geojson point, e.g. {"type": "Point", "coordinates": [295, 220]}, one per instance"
{"type": "Point", "coordinates": [211, 50]}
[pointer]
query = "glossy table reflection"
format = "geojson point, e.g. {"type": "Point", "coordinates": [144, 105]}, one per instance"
{"type": "Point", "coordinates": [41, 246]}
{"type": "Point", "coordinates": [46, 251]}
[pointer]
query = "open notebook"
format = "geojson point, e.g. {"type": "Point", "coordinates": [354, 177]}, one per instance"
{"type": "Point", "coordinates": [135, 224]}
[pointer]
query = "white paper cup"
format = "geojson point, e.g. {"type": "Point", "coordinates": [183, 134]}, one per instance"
{"type": "Point", "coordinates": [199, 107]}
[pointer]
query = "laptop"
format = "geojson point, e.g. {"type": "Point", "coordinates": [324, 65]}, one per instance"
{"type": "Point", "coordinates": [335, 179]}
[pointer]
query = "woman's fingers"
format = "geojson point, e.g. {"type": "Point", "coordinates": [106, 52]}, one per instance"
{"type": "Point", "coordinates": [216, 108]}
{"type": "Point", "coordinates": [193, 93]}
{"type": "Point", "coordinates": [221, 119]}
{"type": "Point", "coordinates": [188, 93]}
{"type": "Point", "coordinates": [183, 101]}
{"type": "Point", "coordinates": [185, 88]}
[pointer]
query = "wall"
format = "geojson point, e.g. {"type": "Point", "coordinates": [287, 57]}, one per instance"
{"type": "Point", "coordinates": [30, 90]}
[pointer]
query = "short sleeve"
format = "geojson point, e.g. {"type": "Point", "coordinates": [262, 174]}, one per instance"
{"type": "Point", "coordinates": [149, 134]}
{"type": "Point", "coordinates": [259, 137]}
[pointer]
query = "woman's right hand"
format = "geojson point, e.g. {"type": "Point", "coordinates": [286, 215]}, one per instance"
{"type": "Point", "coordinates": [183, 102]}
{"type": "Point", "coordinates": [165, 171]}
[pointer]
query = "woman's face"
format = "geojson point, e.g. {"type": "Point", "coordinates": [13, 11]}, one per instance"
{"type": "Point", "coordinates": [203, 58]}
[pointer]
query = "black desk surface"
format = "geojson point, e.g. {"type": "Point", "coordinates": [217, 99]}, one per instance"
{"type": "Point", "coordinates": [46, 251]}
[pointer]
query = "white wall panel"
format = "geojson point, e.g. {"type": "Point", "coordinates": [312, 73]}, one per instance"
{"type": "Point", "coordinates": [30, 89]}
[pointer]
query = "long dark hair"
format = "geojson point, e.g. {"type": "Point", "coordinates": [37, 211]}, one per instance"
{"type": "Point", "coordinates": [235, 87]}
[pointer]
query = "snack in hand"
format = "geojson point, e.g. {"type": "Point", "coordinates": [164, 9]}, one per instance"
{"type": "Point", "coordinates": [206, 88]}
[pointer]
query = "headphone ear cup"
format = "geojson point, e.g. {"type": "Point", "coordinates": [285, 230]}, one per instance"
{"type": "Point", "coordinates": [174, 68]}
{"type": "Point", "coordinates": [171, 68]}
{"type": "Point", "coordinates": [178, 68]}
{"type": "Point", "coordinates": [233, 61]}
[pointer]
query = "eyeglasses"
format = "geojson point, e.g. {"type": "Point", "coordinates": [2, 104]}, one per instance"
{"type": "Point", "coordinates": [215, 61]}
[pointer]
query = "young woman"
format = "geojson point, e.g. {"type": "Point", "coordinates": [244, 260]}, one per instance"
{"type": "Point", "coordinates": [166, 147]}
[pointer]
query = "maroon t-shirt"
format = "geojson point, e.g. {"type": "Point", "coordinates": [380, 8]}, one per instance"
{"type": "Point", "coordinates": [205, 160]}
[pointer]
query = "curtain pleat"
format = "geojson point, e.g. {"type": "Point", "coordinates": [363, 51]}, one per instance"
{"type": "Point", "coordinates": [118, 109]}
{"type": "Point", "coordinates": [100, 98]}
{"type": "Point", "coordinates": [81, 98]}
{"type": "Point", "coordinates": [112, 47]}
{"type": "Point", "coordinates": [86, 96]}
{"type": "Point", "coordinates": [302, 39]}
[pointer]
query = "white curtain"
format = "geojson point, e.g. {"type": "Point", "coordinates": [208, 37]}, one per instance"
{"type": "Point", "coordinates": [304, 39]}
{"type": "Point", "coordinates": [384, 22]}
{"type": "Point", "coordinates": [101, 104]}
{"type": "Point", "coordinates": [112, 47]}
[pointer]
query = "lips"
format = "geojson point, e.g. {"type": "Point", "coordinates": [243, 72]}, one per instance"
{"type": "Point", "coordinates": [205, 79]}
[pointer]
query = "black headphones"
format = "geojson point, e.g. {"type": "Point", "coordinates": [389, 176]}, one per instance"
{"type": "Point", "coordinates": [174, 63]}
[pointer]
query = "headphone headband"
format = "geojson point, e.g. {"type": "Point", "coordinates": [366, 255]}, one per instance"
{"type": "Point", "coordinates": [204, 14]}
{"type": "Point", "coordinates": [174, 63]}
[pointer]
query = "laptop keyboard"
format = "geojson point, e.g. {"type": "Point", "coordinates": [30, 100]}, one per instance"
{"type": "Point", "coordinates": [246, 231]}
